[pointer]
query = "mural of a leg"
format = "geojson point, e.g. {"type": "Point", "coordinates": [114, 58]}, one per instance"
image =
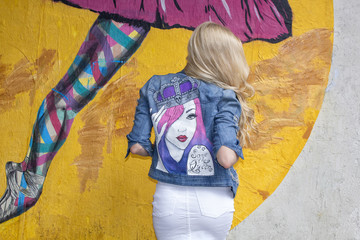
{"type": "Point", "coordinates": [108, 45]}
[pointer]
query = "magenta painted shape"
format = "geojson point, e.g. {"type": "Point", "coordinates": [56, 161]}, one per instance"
{"type": "Point", "coordinates": [268, 20]}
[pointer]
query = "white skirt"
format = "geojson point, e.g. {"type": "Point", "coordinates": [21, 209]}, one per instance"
{"type": "Point", "coordinates": [184, 212]}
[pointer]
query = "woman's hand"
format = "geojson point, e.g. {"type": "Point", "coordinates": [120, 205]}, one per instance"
{"type": "Point", "coordinates": [139, 150]}
{"type": "Point", "coordinates": [226, 157]}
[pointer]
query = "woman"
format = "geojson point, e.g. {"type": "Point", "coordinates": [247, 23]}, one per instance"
{"type": "Point", "coordinates": [200, 116]}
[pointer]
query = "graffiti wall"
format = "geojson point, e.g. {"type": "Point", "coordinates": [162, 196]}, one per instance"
{"type": "Point", "coordinates": [69, 79]}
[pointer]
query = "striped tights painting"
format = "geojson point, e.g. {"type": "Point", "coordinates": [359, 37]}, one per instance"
{"type": "Point", "coordinates": [108, 45]}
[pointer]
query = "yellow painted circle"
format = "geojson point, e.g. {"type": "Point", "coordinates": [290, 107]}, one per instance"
{"type": "Point", "coordinates": [91, 192]}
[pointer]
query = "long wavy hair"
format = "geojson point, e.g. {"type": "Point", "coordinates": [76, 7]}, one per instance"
{"type": "Point", "coordinates": [217, 56]}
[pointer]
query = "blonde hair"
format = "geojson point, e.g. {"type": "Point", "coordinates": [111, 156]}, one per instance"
{"type": "Point", "coordinates": [216, 55]}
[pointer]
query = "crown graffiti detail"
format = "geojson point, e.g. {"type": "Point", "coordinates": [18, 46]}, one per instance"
{"type": "Point", "coordinates": [177, 92]}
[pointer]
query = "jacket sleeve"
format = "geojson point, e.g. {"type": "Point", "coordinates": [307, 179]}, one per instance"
{"type": "Point", "coordinates": [141, 130]}
{"type": "Point", "coordinates": [226, 123]}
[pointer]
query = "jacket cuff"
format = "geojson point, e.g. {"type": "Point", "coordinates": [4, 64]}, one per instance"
{"type": "Point", "coordinates": [235, 147]}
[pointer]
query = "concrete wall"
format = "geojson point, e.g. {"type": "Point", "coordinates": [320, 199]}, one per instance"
{"type": "Point", "coordinates": [320, 196]}
{"type": "Point", "coordinates": [91, 193]}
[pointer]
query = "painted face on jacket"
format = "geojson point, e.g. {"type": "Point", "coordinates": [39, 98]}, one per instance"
{"type": "Point", "coordinates": [181, 132]}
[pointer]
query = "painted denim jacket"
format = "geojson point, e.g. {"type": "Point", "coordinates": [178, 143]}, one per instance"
{"type": "Point", "coordinates": [192, 119]}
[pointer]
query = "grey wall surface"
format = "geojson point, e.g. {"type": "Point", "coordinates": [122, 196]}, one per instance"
{"type": "Point", "coordinates": [320, 196]}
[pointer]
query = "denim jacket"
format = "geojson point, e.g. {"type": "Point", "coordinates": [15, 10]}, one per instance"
{"type": "Point", "coordinates": [192, 119]}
